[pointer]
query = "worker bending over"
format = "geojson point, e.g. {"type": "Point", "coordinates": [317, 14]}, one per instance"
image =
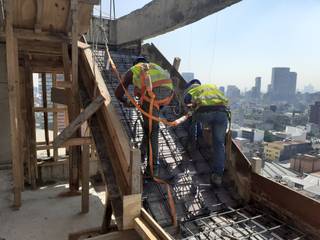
{"type": "Point", "coordinates": [148, 79]}
{"type": "Point", "coordinates": [209, 106]}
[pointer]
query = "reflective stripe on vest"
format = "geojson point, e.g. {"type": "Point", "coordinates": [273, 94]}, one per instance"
{"type": "Point", "coordinates": [207, 95]}
{"type": "Point", "coordinates": [155, 72]}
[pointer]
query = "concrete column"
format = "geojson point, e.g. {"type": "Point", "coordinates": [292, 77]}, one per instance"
{"type": "Point", "coordinates": [256, 164]}
{"type": "Point", "coordinates": [5, 154]}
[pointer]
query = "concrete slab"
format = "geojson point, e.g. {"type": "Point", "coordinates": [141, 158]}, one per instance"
{"type": "Point", "coordinates": [45, 215]}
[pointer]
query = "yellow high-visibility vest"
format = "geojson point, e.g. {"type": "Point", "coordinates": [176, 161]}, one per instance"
{"type": "Point", "coordinates": [156, 73]}
{"type": "Point", "coordinates": [207, 95]}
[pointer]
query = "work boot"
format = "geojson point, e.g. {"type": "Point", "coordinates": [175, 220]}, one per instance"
{"type": "Point", "coordinates": [216, 180]}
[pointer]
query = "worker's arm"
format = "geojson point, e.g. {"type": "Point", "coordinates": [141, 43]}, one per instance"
{"type": "Point", "coordinates": [127, 80]}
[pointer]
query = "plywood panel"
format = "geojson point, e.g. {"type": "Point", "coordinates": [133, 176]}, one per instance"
{"type": "Point", "coordinates": [56, 14]}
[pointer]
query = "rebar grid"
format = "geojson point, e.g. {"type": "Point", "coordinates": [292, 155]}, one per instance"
{"type": "Point", "coordinates": [243, 223]}
{"type": "Point", "coordinates": [202, 213]}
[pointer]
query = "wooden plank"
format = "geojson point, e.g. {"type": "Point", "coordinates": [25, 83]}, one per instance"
{"type": "Point", "coordinates": [59, 95]}
{"type": "Point", "coordinates": [68, 143]}
{"type": "Point", "coordinates": [111, 120]}
{"type": "Point", "coordinates": [131, 210]}
{"type": "Point", "coordinates": [39, 16]}
{"type": "Point", "coordinates": [33, 47]}
{"type": "Point", "coordinates": [74, 125]}
{"type": "Point", "coordinates": [154, 225]}
{"type": "Point", "coordinates": [63, 84]}
{"type": "Point", "coordinates": [41, 109]}
{"type": "Point", "coordinates": [91, 2]}
{"type": "Point", "coordinates": [104, 146]}
{"type": "Point", "coordinates": [143, 230]}
{"type": "Point", "coordinates": [45, 113]}
{"type": "Point", "coordinates": [77, 141]}
{"type": "Point", "coordinates": [135, 166]}
{"type": "Point", "coordinates": [55, 119]}
{"type": "Point", "coordinates": [12, 73]}
{"type": "Point", "coordinates": [85, 179]}
{"type": "Point", "coordinates": [27, 34]}
{"type": "Point", "coordinates": [118, 235]}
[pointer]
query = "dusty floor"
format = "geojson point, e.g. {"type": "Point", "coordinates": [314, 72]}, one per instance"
{"type": "Point", "coordinates": [46, 216]}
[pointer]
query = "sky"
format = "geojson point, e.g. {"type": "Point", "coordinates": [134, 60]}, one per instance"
{"type": "Point", "coordinates": [244, 41]}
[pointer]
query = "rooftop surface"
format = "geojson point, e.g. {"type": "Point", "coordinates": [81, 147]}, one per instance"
{"type": "Point", "coordinates": [46, 215]}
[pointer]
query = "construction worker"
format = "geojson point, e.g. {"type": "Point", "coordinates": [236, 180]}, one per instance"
{"type": "Point", "coordinates": [209, 106]}
{"type": "Point", "coordinates": [143, 74]}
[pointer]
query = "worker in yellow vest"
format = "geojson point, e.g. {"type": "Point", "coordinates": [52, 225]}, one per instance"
{"type": "Point", "coordinates": [149, 80]}
{"type": "Point", "coordinates": [209, 106]}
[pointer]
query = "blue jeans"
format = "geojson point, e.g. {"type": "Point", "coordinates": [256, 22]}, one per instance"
{"type": "Point", "coordinates": [218, 121]}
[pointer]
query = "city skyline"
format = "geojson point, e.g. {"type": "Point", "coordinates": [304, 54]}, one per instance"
{"type": "Point", "coordinates": [244, 41]}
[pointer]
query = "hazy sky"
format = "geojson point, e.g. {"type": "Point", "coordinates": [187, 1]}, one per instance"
{"type": "Point", "coordinates": [246, 40]}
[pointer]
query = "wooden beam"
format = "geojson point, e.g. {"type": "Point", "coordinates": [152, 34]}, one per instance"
{"type": "Point", "coordinates": [39, 16]}
{"type": "Point", "coordinates": [45, 105]}
{"type": "Point", "coordinates": [59, 95]}
{"type": "Point", "coordinates": [35, 47]}
{"type": "Point", "coordinates": [143, 230]}
{"type": "Point", "coordinates": [69, 143]}
{"type": "Point", "coordinates": [154, 225]}
{"type": "Point", "coordinates": [75, 124]}
{"type": "Point", "coordinates": [26, 34]}
{"type": "Point", "coordinates": [63, 84]}
{"type": "Point", "coordinates": [91, 2]}
{"type": "Point", "coordinates": [104, 146]}
{"type": "Point", "coordinates": [118, 235]}
{"type": "Point", "coordinates": [77, 141]}
{"type": "Point", "coordinates": [31, 122]}
{"type": "Point", "coordinates": [74, 168]}
{"type": "Point", "coordinates": [94, 82]}
{"type": "Point", "coordinates": [56, 109]}
{"type": "Point", "coordinates": [13, 81]}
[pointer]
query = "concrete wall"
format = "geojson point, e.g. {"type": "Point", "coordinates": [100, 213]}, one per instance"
{"type": "Point", "coordinates": [5, 154]}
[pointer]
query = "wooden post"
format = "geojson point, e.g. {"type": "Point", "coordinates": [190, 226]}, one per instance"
{"type": "Point", "coordinates": [135, 164]}
{"type": "Point", "coordinates": [31, 123]}
{"type": "Point", "coordinates": [45, 105]}
{"type": "Point", "coordinates": [85, 179]}
{"type": "Point", "coordinates": [13, 91]}
{"type": "Point", "coordinates": [75, 161]}
{"type": "Point", "coordinates": [55, 119]}
{"type": "Point", "coordinates": [107, 216]}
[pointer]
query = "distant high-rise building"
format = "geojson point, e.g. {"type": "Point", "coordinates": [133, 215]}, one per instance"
{"type": "Point", "coordinates": [283, 84]}
{"type": "Point", "coordinates": [269, 88]}
{"type": "Point", "coordinates": [188, 76]}
{"type": "Point", "coordinates": [222, 89]}
{"type": "Point", "coordinates": [233, 92]}
{"type": "Point", "coordinates": [315, 113]}
{"type": "Point", "coordinates": [258, 85]}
